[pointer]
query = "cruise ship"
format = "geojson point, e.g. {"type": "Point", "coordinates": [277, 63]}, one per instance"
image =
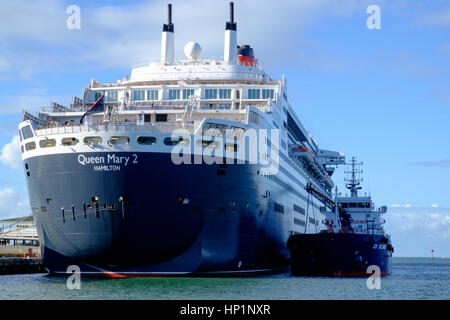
{"type": "Point", "coordinates": [188, 166]}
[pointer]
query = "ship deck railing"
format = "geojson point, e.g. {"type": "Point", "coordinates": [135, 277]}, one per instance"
{"type": "Point", "coordinates": [177, 105]}
{"type": "Point", "coordinates": [104, 126]}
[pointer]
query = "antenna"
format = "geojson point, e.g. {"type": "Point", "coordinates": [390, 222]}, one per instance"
{"type": "Point", "coordinates": [354, 179]}
{"type": "Point", "coordinates": [169, 13]}
{"type": "Point", "coordinates": [231, 12]}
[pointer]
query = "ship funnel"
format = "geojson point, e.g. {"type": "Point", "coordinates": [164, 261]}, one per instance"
{"type": "Point", "coordinates": [230, 46]}
{"type": "Point", "coordinates": [167, 40]}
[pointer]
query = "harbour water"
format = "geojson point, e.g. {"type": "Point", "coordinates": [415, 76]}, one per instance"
{"type": "Point", "coordinates": [411, 278]}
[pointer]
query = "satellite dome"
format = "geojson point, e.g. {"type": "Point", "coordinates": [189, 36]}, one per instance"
{"type": "Point", "coordinates": [192, 50]}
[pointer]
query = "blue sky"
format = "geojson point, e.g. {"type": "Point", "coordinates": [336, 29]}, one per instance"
{"type": "Point", "coordinates": [380, 95]}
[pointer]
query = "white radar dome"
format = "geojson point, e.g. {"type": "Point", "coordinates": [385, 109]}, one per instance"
{"type": "Point", "coordinates": [192, 50]}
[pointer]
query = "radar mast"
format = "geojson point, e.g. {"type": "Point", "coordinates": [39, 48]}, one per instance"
{"type": "Point", "coordinates": [353, 178]}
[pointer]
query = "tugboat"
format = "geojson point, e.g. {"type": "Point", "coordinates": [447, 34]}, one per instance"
{"type": "Point", "coordinates": [353, 240]}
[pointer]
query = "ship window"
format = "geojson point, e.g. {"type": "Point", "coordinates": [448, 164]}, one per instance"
{"type": "Point", "coordinates": [208, 143]}
{"type": "Point", "coordinates": [345, 205]}
{"type": "Point", "coordinates": [111, 96]}
{"type": "Point", "coordinates": [254, 117]}
{"type": "Point", "coordinates": [214, 129]}
{"type": "Point", "coordinates": [69, 141]}
{"type": "Point", "coordinates": [146, 140]}
{"type": "Point", "coordinates": [169, 141]}
{"type": "Point", "coordinates": [361, 205]}
{"type": "Point", "coordinates": [138, 95]}
{"type": "Point", "coordinates": [30, 146]}
{"type": "Point", "coordinates": [97, 95]}
{"type": "Point", "coordinates": [254, 93]}
{"type": "Point", "coordinates": [267, 93]}
{"type": "Point", "coordinates": [224, 93]}
{"type": "Point", "coordinates": [174, 94]}
{"type": "Point", "coordinates": [352, 205]}
{"type": "Point", "coordinates": [235, 133]}
{"type": "Point", "coordinates": [210, 93]}
{"type": "Point", "coordinates": [161, 117]}
{"type": "Point", "coordinates": [231, 147]}
{"type": "Point", "coordinates": [152, 94]}
{"type": "Point", "coordinates": [92, 140]}
{"type": "Point", "coordinates": [119, 140]}
{"type": "Point", "coordinates": [187, 93]}
{"type": "Point", "coordinates": [279, 208]}
{"type": "Point", "coordinates": [299, 209]}
{"type": "Point", "coordinates": [299, 222]}
{"type": "Point", "coordinates": [27, 132]}
{"type": "Point", "coordinates": [21, 148]}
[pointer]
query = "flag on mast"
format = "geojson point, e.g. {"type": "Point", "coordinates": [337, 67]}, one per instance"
{"type": "Point", "coordinates": [98, 106]}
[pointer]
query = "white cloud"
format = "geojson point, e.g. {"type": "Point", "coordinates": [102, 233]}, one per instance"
{"type": "Point", "coordinates": [10, 153]}
{"type": "Point", "coordinates": [31, 101]}
{"type": "Point", "coordinates": [439, 163]}
{"type": "Point", "coordinates": [13, 204]}
{"type": "Point", "coordinates": [123, 35]}
{"type": "Point", "coordinates": [435, 205]}
{"type": "Point", "coordinates": [436, 19]}
{"type": "Point", "coordinates": [416, 222]}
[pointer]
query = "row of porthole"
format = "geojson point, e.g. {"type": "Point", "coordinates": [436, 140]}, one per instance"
{"type": "Point", "coordinates": [143, 140]}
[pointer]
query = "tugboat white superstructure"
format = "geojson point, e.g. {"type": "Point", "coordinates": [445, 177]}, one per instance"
{"type": "Point", "coordinates": [186, 166]}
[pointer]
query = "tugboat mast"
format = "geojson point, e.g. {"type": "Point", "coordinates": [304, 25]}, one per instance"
{"type": "Point", "coordinates": [355, 179]}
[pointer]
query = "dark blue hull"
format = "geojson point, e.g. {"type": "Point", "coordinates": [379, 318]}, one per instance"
{"type": "Point", "coordinates": [155, 217]}
{"type": "Point", "coordinates": [339, 254]}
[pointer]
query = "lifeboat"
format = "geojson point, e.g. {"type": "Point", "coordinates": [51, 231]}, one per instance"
{"type": "Point", "coordinates": [310, 163]}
